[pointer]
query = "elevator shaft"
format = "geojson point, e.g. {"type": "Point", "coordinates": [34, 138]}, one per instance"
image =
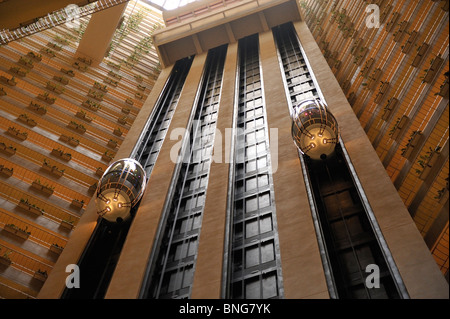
{"type": "Point", "coordinates": [254, 262]}
{"type": "Point", "coordinates": [99, 259]}
{"type": "Point", "coordinates": [345, 225]}
{"type": "Point", "coordinates": [172, 265]}
{"type": "Point", "coordinates": [351, 243]}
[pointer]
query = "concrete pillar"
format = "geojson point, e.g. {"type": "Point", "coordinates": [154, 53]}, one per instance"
{"type": "Point", "coordinates": [99, 33]}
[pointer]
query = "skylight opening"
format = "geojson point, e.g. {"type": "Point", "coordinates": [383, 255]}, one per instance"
{"type": "Point", "coordinates": [170, 4]}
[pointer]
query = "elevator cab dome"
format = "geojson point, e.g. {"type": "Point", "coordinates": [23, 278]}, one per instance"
{"type": "Point", "coordinates": [314, 129]}
{"type": "Point", "coordinates": [119, 189]}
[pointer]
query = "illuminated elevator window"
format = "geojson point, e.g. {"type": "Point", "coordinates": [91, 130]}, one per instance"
{"type": "Point", "coordinates": [254, 270]}
{"type": "Point", "coordinates": [350, 241]}
{"type": "Point", "coordinates": [172, 268]}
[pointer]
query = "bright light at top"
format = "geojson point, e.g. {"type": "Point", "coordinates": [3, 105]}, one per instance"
{"type": "Point", "coordinates": [171, 4]}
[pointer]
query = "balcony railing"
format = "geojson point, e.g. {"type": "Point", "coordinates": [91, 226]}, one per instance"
{"type": "Point", "coordinates": [54, 19]}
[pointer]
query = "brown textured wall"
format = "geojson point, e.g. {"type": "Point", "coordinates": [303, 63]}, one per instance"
{"type": "Point", "coordinates": [302, 270]}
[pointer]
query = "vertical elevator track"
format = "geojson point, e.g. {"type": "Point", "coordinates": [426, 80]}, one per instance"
{"type": "Point", "coordinates": [102, 252]}
{"type": "Point", "coordinates": [348, 234]}
{"type": "Point", "coordinates": [345, 229]}
{"type": "Point", "coordinates": [148, 146]}
{"type": "Point", "coordinates": [172, 265]}
{"type": "Point", "coordinates": [255, 268]}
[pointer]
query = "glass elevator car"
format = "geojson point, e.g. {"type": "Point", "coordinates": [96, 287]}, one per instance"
{"type": "Point", "coordinates": [119, 189]}
{"type": "Point", "coordinates": [314, 129]}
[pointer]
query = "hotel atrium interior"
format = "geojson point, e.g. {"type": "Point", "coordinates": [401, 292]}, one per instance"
{"type": "Point", "coordinates": [89, 89]}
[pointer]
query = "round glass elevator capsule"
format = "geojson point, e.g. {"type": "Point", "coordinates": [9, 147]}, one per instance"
{"type": "Point", "coordinates": [314, 129]}
{"type": "Point", "coordinates": [119, 189]}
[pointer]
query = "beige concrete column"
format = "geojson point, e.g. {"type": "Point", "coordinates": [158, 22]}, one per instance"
{"type": "Point", "coordinates": [55, 283]}
{"type": "Point", "coordinates": [99, 32]}
{"type": "Point", "coordinates": [208, 268]}
{"type": "Point", "coordinates": [130, 271]}
{"type": "Point", "coordinates": [419, 271]}
{"type": "Point", "coordinates": [302, 270]}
